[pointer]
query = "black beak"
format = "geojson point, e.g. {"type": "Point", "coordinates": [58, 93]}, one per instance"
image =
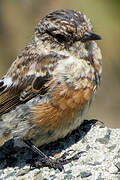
{"type": "Point", "coordinates": [88, 36]}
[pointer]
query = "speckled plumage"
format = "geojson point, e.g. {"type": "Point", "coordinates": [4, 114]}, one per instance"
{"type": "Point", "coordinates": [47, 91]}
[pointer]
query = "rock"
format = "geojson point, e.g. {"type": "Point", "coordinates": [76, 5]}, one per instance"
{"type": "Point", "coordinates": [100, 158]}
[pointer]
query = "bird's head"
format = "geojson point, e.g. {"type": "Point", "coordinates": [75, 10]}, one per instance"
{"type": "Point", "coordinates": [65, 27]}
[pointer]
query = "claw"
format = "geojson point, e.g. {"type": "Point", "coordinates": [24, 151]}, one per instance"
{"type": "Point", "coordinates": [51, 163]}
{"type": "Point", "coordinates": [48, 162]}
{"type": "Point", "coordinates": [55, 163]}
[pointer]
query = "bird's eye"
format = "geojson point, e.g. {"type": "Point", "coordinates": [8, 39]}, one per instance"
{"type": "Point", "coordinates": [61, 38]}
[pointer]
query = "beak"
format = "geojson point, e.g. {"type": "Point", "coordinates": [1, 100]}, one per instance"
{"type": "Point", "coordinates": [88, 36]}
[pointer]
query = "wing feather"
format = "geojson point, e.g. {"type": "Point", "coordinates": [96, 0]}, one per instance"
{"type": "Point", "coordinates": [26, 78]}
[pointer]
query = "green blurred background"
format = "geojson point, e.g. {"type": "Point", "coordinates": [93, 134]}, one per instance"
{"type": "Point", "coordinates": [17, 21]}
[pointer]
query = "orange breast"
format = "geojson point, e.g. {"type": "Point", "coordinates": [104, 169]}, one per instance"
{"type": "Point", "coordinates": [66, 102]}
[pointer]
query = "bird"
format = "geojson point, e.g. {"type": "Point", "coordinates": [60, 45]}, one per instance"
{"type": "Point", "coordinates": [48, 90]}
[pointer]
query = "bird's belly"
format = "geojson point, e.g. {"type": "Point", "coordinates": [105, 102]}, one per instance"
{"type": "Point", "coordinates": [55, 119]}
{"type": "Point", "coordinates": [40, 136]}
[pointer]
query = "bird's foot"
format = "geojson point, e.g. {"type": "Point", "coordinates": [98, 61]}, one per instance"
{"type": "Point", "coordinates": [55, 163]}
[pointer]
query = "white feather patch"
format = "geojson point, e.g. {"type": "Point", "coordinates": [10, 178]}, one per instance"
{"type": "Point", "coordinates": [8, 81]}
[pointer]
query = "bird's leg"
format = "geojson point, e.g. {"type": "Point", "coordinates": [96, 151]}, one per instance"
{"type": "Point", "coordinates": [48, 162]}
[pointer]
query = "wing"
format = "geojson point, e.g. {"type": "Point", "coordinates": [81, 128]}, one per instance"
{"type": "Point", "coordinates": [27, 77]}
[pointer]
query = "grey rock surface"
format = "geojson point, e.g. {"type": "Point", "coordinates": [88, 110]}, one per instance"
{"type": "Point", "coordinates": [100, 159]}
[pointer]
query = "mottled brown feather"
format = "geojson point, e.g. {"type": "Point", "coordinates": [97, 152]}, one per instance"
{"type": "Point", "coordinates": [25, 89]}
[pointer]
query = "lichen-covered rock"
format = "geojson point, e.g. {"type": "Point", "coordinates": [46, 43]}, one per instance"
{"type": "Point", "coordinates": [100, 158]}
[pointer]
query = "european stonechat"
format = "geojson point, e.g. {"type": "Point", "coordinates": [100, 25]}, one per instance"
{"type": "Point", "coordinates": [48, 89]}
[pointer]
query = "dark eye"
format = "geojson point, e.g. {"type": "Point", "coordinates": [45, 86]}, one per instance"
{"type": "Point", "coordinates": [61, 38]}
